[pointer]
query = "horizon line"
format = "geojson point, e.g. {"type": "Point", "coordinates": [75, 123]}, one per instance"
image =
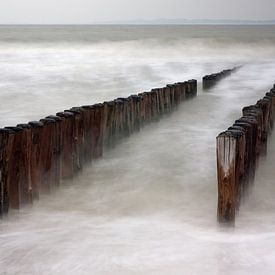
{"type": "Point", "coordinates": [158, 21]}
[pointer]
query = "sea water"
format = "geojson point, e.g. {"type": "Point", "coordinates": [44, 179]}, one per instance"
{"type": "Point", "coordinates": [149, 205]}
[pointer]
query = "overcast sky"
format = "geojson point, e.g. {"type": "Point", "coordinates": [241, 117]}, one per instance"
{"type": "Point", "coordinates": [90, 11]}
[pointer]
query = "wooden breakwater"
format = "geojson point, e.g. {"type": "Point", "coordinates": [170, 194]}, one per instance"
{"type": "Point", "coordinates": [237, 151]}
{"type": "Point", "coordinates": [208, 81]}
{"type": "Point", "coordinates": [36, 157]}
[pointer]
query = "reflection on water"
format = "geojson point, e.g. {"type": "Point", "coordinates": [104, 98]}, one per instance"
{"type": "Point", "coordinates": [149, 206]}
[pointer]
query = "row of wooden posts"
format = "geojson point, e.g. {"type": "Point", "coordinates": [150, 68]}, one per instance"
{"type": "Point", "coordinates": [208, 81]}
{"type": "Point", "coordinates": [238, 149]}
{"type": "Point", "coordinates": [36, 157]}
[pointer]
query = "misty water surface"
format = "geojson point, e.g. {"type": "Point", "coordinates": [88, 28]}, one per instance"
{"type": "Point", "coordinates": [149, 205]}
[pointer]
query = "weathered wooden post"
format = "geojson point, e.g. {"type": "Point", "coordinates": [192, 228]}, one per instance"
{"type": "Point", "coordinates": [15, 168]}
{"type": "Point", "coordinates": [126, 120]}
{"type": "Point", "coordinates": [229, 147]}
{"type": "Point", "coordinates": [67, 164]}
{"type": "Point", "coordinates": [142, 109]}
{"type": "Point", "coordinates": [118, 119]}
{"type": "Point", "coordinates": [240, 176]}
{"type": "Point", "coordinates": [249, 151]}
{"type": "Point", "coordinates": [135, 110]}
{"type": "Point", "coordinates": [97, 129]}
{"type": "Point", "coordinates": [56, 159]}
{"type": "Point", "coordinates": [160, 101]}
{"type": "Point", "coordinates": [109, 124]}
{"type": "Point", "coordinates": [148, 113]}
{"type": "Point", "coordinates": [6, 145]}
{"type": "Point", "coordinates": [171, 89]}
{"type": "Point", "coordinates": [47, 155]}
{"type": "Point", "coordinates": [36, 147]}
{"type": "Point", "coordinates": [124, 127]}
{"type": "Point", "coordinates": [265, 106]}
{"type": "Point", "coordinates": [254, 143]}
{"type": "Point", "coordinates": [88, 115]}
{"type": "Point", "coordinates": [178, 91]}
{"type": "Point", "coordinates": [192, 87]}
{"type": "Point", "coordinates": [256, 113]}
{"type": "Point", "coordinates": [271, 95]}
{"type": "Point", "coordinates": [78, 138]}
{"type": "Point", "coordinates": [167, 100]}
{"type": "Point", "coordinates": [182, 88]}
{"type": "Point", "coordinates": [154, 105]}
{"type": "Point", "coordinates": [25, 182]}
{"type": "Point", "coordinates": [80, 134]}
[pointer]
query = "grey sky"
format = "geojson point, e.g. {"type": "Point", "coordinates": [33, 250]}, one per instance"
{"type": "Point", "coordinates": [89, 11]}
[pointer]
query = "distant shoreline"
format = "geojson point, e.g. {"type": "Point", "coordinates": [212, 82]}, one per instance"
{"type": "Point", "coordinates": [157, 22]}
{"type": "Point", "coordinates": [142, 24]}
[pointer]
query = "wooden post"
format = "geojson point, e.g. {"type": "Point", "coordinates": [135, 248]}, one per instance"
{"type": "Point", "coordinates": [118, 119]}
{"type": "Point", "coordinates": [67, 164]}
{"type": "Point", "coordinates": [148, 112]}
{"type": "Point", "coordinates": [182, 90]}
{"type": "Point", "coordinates": [6, 145]}
{"type": "Point", "coordinates": [135, 110]}
{"type": "Point", "coordinates": [265, 106]}
{"type": "Point", "coordinates": [56, 159]}
{"type": "Point", "coordinates": [241, 172]}
{"type": "Point", "coordinates": [167, 100]}
{"type": "Point", "coordinates": [109, 126]}
{"type": "Point", "coordinates": [271, 95]}
{"type": "Point", "coordinates": [15, 168]}
{"type": "Point", "coordinates": [228, 164]}
{"type": "Point", "coordinates": [78, 139]}
{"type": "Point", "coordinates": [142, 109]}
{"type": "Point", "coordinates": [97, 129]}
{"type": "Point", "coordinates": [36, 147]}
{"type": "Point", "coordinates": [192, 88]}
{"type": "Point", "coordinates": [88, 116]}
{"type": "Point", "coordinates": [47, 155]}
{"type": "Point", "coordinates": [25, 181]}
{"type": "Point", "coordinates": [249, 151]}
{"type": "Point", "coordinates": [255, 143]}
{"type": "Point", "coordinates": [154, 105]}
{"type": "Point", "coordinates": [257, 114]}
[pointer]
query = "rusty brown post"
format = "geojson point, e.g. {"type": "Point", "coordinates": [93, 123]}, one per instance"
{"type": "Point", "coordinates": [229, 151]}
